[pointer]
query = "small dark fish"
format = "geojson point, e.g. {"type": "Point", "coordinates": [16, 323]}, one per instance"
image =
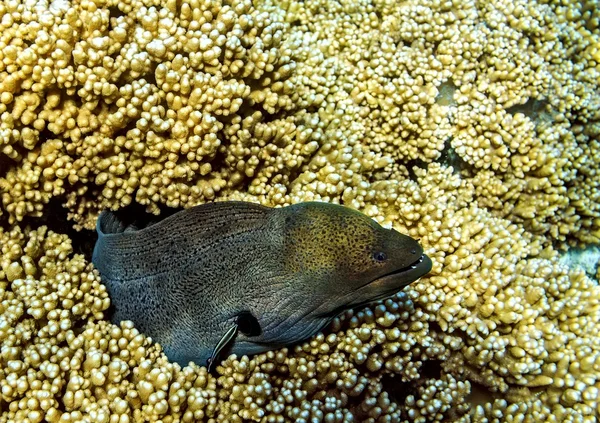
{"type": "Point", "coordinates": [243, 278]}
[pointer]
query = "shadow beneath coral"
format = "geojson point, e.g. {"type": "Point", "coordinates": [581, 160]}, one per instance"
{"type": "Point", "coordinates": [55, 218]}
{"type": "Point", "coordinates": [397, 389]}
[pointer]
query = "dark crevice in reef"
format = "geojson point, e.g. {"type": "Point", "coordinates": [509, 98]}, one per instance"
{"type": "Point", "coordinates": [247, 109]}
{"type": "Point", "coordinates": [60, 405]}
{"type": "Point", "coordinates": [79, 325]}
{"type": "Point", "coordinates": [445, 95]}
{"type": "Point", "coordinates": [114, 12]}
{"type": "Point", "coordinates": [312, 109]}
{"type": "Point", "coordinates": [410, 164]}
{"type": "Point", "coordinates": [109, 313]}
{"type": "Point", "coordinates": [45, 134]}
{"type": "Point", "coordinates": [4, 222]}
{"type": "Point", "coordinates": [435, 327]}
{"type": "Point", "coordinates": [83, 241]}
{"type": "Point", "coordinates": [480, 394]}
{"type": "Point", "coordinates": [398, 390]}
{"type": "Point", "coordinates": [296, 22]}
{"type": "Point", "coordinates": [533, 108]}
{"type": "Point", "coordinates": [55, 218]}
{"type": "Point", "coordinates": [135, 215]}
{"type": "Point", "coordinates": [5, 165]}
{"type": "Point", "coordinates": [449, 157]}
{"type": "Point", "coordinates": [150, 76]}
{"type": "Point", "coordinates": [431, 369]}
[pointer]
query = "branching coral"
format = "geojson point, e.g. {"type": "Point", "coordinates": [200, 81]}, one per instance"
{"type": "Point", "coordinates": [527, 115]}
{"type": "Point", "coordinates": [519, 333]}
{"type": "Point", "coordinates": [510, 89]}
{"type": "Point", "coordinates": [106, 103]}
{"type": "Point", "coordinates": [124, 101]}
{"type": "Point", "coordinates": [177, 104]}
{"type": "Point", "coordinates": [46, 296]}
{"type": "Point", "coordinates": [519, 319]}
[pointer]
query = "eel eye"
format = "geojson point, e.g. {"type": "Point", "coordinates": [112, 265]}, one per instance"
{"type": "Point", "coordinates": [380, 256]}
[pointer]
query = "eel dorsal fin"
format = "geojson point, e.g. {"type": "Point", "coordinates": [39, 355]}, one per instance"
{"type": "Point", "coordinates": [124, 252]}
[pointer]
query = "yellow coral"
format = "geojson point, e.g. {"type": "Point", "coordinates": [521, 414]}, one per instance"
{"type": "Point", "coordinates": [489, 323]}
{"type": "Point", "coordinates": [178, 104]}
{"type": "Point", "coordinates": [471, 126]}
{"type": "Point", "coordinates": [126, 101]}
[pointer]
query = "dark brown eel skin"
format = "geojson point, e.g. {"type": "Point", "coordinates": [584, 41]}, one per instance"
{"type": "Point", "coordinates": [244, 278]}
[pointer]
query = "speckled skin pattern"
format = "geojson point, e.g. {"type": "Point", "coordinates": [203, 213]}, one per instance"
{"type": "Point", "coordinates": [183, 280]}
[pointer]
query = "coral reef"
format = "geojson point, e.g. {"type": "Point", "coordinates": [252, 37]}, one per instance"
{"type": "Point", "coordinates": [473, 126]}
{"type": "Point", "coordinates": [107, 103]}
{"type": "Point", "coordinates": [177, 104]}
{"type": "Point", "coordinates": [490, 334]}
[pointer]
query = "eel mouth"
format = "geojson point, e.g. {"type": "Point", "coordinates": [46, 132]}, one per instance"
{"type": "Point", "coordinates": [418, 268]}
{"type": "Point", "coordinates": [387, 285]}
{"type": "Point", "coordinates": [381, 288]}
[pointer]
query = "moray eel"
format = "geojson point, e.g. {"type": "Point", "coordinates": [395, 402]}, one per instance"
{"type": "Point", "coordinates": [241, 278]}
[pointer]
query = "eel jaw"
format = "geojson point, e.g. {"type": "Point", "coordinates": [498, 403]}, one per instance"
{"type": "Point", "coordinates": [387, 285]}
{"type": "Point", "coordinates": [410, 273]}
{"type": "Point", "coordinates": [383, 287]}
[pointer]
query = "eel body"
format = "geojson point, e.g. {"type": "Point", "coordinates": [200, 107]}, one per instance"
{"type": "Point", "coordinates": [186, 279]}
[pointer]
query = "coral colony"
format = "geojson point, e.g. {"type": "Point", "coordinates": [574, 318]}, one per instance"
{"type": "Point", "coordinates": [470, 126]}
